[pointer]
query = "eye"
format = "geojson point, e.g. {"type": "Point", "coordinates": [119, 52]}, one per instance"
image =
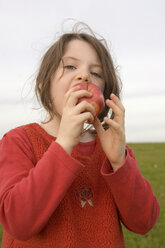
{"type": "Point", "coordinates": [70, 67]}
{"type": "Point", "coordinates": [96, 74]}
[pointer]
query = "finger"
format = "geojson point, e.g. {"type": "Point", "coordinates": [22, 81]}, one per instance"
{"type": "Point", "coordinates": [111, 104]}
{"type": "Point", "coordinates": [86, 116]}
{"type": "Point", "coordinates": [116, 126]}
{"type": "Point", "coordinates": [69, 92]}
{"type": "Point", "coordinates": [119, 114]}
{"type": "Point", "coordinates": [84, 106]}
{"type": "Point", "coordinates": [97, 125]}
{"type": "Point", "coordinates": [76, 95]}
{"type": "Point", "coordinates": [117, 101]}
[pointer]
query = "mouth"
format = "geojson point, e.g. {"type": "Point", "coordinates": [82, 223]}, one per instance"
{"type": "Point", "coordinates": [82, 82]}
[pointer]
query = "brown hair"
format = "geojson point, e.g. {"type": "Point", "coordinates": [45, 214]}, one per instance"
{"type": "Point", "coordinates": [53, 56]}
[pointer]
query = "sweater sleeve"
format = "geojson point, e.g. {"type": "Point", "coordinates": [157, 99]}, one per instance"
{"type": "Point", "coordinates": [137, 205]}
{"type": "Point", "coordinates": [29, 192]}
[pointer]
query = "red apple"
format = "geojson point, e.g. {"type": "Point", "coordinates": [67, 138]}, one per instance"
{"type": "Point", "coordinates": [97, 98]}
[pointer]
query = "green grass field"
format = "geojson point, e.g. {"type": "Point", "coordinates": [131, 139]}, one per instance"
{"type": "Point", "coordinates": [151, 160]}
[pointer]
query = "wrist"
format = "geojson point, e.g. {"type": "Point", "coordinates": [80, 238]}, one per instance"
{"type": "Point", "coordinates": [118, 164]}
{"type": "Point", "coordinates": [65, 146]}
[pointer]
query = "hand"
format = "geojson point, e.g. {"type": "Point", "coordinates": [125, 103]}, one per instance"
{"type": "Point", "coordinates": [73, 117]}
{"type": "Point", "coordinates": [113, 139]}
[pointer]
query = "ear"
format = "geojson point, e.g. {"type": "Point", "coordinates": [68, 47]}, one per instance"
{"type": "Point", "coordinates": [39, 86]}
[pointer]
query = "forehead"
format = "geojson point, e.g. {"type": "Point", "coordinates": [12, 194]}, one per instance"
{"type": "Point", "coordinates": [81, 50]}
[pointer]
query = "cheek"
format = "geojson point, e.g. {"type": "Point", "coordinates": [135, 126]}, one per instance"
{"type": "Point", "coordinates": [57, 105]}
{"type": "Point", "coordinates": [101, 85]}
{"type": "Point", "coordinates": [57, 95]}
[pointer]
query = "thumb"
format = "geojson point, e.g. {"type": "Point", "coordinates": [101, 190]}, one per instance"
{"type": "Point", "coordinates": [98, 126]}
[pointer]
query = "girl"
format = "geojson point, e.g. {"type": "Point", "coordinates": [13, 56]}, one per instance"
{"type": "Point", "coordinates": [61, 186]}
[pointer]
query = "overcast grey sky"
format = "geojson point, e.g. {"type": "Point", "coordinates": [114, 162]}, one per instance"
{"type": "Point", "coordinates": [135, 32]}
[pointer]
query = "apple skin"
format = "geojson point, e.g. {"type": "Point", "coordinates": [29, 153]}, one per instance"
{"type": "Point", "coordinates": [97, 98]}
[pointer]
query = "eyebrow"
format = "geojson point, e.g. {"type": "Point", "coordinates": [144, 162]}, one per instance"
{"type": "Point", "coordinates": [69, 57]}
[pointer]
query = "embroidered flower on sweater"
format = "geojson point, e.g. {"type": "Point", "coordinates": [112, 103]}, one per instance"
{"type": "Point", "coordinates": [85, 194]}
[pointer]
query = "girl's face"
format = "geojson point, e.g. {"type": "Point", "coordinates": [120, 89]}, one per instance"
{"type": "Point", "coordinates": [80, 63]}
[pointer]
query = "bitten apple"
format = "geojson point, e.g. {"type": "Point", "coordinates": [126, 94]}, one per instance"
{"type": "Point", "coordinates": [97, 98]}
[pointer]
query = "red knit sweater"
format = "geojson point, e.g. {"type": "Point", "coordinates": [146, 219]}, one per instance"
{"type": "Point", "coordinates": [51, 199]}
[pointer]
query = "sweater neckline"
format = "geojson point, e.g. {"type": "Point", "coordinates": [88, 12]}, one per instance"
{"type": "Point", "coordinates": [75, 152]}
{"type": "Point", "coordinates": [43, 131]}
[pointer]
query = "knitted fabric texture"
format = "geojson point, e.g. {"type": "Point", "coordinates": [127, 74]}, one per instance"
{"type": "Point", "coordinates": [86, 216]}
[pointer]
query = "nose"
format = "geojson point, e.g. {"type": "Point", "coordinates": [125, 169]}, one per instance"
{"type": "Point", "coordinates": [83, 78]}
